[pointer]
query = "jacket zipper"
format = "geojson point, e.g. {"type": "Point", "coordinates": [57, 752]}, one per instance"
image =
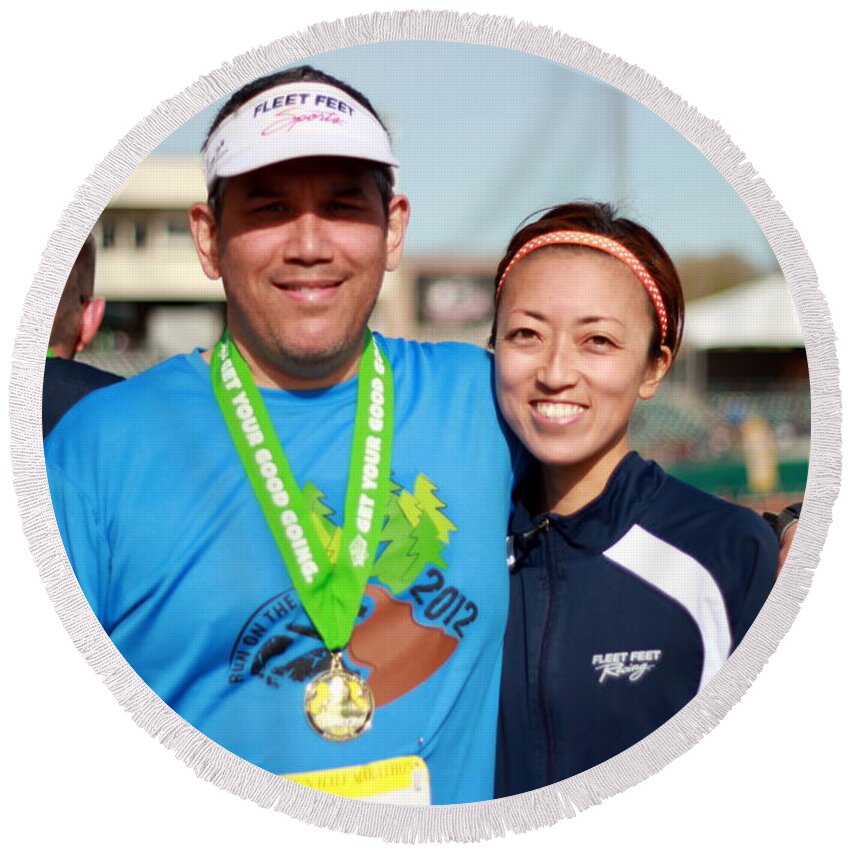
{"type": "Point", "coordinates": [542, 527]}
{"type": "Point", "coordinates": [544, 658]}
{"type": "Point", "coordinates": [532, 532]}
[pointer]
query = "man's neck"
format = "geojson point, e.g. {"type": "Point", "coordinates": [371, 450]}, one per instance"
{"type": "Point", "coordinates": [269, 376]}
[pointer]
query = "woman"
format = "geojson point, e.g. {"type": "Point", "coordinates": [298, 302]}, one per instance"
{"type": "Point", "coordinates": [629, 588]}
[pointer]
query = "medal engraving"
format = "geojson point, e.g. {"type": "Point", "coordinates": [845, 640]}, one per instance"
{"type": "Point", "coordinates": [338, 703]}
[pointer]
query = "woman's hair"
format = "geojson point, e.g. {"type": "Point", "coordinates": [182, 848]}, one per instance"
{"type": "Point", "coordinates": [602, 219]}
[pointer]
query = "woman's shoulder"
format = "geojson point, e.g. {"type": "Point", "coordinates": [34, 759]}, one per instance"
{"type": "Point", "coordinates": [705, 525]}
{"type": "Point", "coordinates": [693, 542]}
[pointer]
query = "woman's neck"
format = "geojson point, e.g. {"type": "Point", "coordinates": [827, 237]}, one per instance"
{"type": "Point", "coordinates": [567, 489]}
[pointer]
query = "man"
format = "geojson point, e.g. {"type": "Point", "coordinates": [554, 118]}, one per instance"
{"type": "Point", "coordinates": [297, 538]}
{"type": "Point", "coordinates": [77, 321]}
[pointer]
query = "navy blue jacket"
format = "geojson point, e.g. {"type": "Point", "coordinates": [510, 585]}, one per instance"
{"type": "Point", "coordinates": [619, 613]}
{"type": "Point", "coordinates": [65, 383]}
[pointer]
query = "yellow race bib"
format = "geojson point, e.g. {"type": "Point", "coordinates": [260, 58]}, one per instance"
{"type": "Point", "coordinates": [403, 780]}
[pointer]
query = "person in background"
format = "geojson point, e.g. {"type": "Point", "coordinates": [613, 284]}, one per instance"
{"type": "Point", "coordinates": [77, 321]}
{"type": "Point", "coordinates": [629, 588]}
{"type": "Point", "coordinates": [784, 525]}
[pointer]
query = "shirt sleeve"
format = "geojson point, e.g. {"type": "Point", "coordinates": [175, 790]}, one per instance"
{"type": "Point", "coordinates": [761, 555]}
{"type": "Point", "coordinates": [83, 538]}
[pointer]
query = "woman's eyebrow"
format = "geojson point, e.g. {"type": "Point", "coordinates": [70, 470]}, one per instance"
{"type": "Point", "coordinates": [531, 314]}
{"type": "Point", "coordinates": [589, 320]}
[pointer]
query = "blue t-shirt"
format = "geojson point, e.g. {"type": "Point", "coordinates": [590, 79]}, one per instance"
{"type": "Point", "coordinates": [173, 553]}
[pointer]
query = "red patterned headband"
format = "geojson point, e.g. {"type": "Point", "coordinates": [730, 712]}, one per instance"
{"type": "Point", "coordinates": [601, 243]}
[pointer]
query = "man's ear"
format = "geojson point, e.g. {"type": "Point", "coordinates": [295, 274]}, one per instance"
{"type": "Point", "coordinates": [656, 369]}
{"type": "Point", "coordinates": [204, 232]}
{"type": "Point", "coordinates": [93, 311]}
{"type": "Point", "coordinates": [397, 218]}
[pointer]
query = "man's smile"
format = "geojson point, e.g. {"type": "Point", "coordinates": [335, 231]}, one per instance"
{"type": "Point", "coordinates": [310, 291]}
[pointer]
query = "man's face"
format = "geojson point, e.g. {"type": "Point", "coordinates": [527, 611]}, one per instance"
{"type": "Point", "coordinates": [301, 247]}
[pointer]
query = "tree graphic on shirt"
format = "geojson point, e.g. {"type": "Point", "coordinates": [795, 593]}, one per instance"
{"type": "Point", "coordinates": [397, 650]}
{"type": "Point", "coordinates": [415, 532]}
{"type": "Point", "coordinates": [330, 535]}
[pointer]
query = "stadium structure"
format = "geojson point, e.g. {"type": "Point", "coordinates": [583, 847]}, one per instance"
{"type": "Point", "coordinates": [733, 416]}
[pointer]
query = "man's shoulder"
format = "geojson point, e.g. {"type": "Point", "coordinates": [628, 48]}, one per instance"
{"type": "Point", "coordinates": [66, 382]}
{"type": "Point", "coordinates": [438, 355]}
{"type": "Point", "coordinates": [132, 403]}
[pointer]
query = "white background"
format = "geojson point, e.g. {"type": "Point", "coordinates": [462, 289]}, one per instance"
{"type": "Point", "coordinates": [77, 770]}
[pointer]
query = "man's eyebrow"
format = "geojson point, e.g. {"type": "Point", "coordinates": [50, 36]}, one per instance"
{"type": "Point", "coordinates": [346, 190]}
{"type": "Point", "coordinates": [261, 192]}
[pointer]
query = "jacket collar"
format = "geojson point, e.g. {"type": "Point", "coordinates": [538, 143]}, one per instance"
{"type": "Point", "coordinates": [631, 487]}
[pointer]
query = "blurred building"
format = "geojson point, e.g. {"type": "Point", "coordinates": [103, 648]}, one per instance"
{"type": "Point", "coordinates": [739, 396]}
{"type": "Point", "coordinates": [742, 369]}
{"type": "Point", "coordinates": [161, 303]}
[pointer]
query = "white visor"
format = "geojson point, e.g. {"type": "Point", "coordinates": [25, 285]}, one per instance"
{"type": "Point", "coordinates": [291, 121]}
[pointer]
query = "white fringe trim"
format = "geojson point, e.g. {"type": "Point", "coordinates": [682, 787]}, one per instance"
{"type": "Point", "coordinates": [476, 821]}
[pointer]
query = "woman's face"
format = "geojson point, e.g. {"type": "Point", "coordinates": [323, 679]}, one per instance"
{"type": "Point", "coordinates": [572, 357]}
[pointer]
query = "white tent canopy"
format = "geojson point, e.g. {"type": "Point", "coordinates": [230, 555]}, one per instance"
{"type": "Point", "coordinates": [759, 314]}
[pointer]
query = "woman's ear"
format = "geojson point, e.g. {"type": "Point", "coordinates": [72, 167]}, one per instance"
{"type": "Point", "coordinates": [655, 372]}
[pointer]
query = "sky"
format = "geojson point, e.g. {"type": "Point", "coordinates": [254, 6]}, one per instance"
{"type": "Point", "coordinates": [486, 136]}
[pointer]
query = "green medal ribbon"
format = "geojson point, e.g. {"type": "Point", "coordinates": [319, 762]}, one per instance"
{"type": "Point", "coordinates": [50, 353]}
{"type": "Point", "coordinates": [331, 593]}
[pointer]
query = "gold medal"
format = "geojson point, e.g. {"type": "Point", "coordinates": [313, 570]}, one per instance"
{"type": "Point", "coordinates": [338, 703]}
